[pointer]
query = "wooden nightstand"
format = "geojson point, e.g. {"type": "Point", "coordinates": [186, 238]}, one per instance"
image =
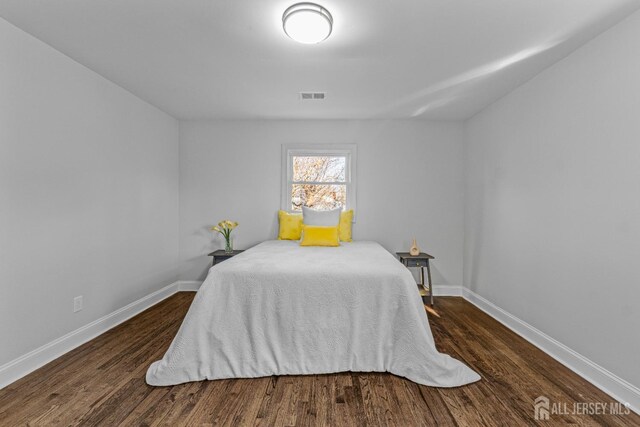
{"type": "Point", "coordinates": [420, 261]}
{"type": "Point", "coordinates": [220, 255]}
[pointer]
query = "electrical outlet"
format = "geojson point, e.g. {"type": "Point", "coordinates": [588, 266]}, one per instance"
{"type": "Point", "coordinates": [77, 304]}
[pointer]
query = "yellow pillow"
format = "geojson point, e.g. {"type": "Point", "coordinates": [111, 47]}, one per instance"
{"type": "Point", "coordinates": [346, 219]}
{"type": "Point", "coordinates": [316, 235]}
{"type": "Point", "coordinates": [290, 226]}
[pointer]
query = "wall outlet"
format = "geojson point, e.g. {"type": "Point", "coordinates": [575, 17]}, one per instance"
{"type": "Point", "coordinates": [77, 304]}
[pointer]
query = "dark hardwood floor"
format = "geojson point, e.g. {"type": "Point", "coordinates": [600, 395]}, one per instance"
{"type": "Point", "coordinates": [102, 383]}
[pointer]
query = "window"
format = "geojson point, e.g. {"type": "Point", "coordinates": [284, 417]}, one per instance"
{"type": "Point", "coordinates": [321, 177]}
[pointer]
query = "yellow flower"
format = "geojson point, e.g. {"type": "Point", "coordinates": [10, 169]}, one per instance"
{"type": "Point", "coordinates": [225, 225]}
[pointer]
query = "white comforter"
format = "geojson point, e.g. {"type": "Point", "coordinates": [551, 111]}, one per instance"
{"type": "Point", "coordinates": [282, 309]}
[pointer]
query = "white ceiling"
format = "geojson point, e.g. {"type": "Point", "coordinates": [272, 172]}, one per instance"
{"type": "Point", "coordinates": [433, 59]}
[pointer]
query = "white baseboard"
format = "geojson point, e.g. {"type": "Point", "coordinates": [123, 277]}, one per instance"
{"type": "Point", "coordinates": [608, 382]}
{"type": "Point", "coordinates": [27, 363]}
{"type": "Point", "coordinates": [447, 291]}
{"type": "Point", "coordinates": [189, 285]}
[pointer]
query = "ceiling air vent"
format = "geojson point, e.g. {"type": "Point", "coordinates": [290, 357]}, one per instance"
{"type": "Point", "coordinates": [308, 96]}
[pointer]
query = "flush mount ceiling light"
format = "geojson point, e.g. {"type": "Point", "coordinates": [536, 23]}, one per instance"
{"type": "Point", "coordinates": [307, 23]}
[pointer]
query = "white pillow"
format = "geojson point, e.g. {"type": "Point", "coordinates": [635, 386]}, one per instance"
{"type": "Point", "coordinates": [323, 218]}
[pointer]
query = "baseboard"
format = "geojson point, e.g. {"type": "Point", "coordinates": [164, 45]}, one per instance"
{"type": "Point", "coordinates": [608, 382]}
{"type": "Point", "coordinates": [189, 285]}
{"type": "Point", "coordinates": [27, 363]}
{"type": "Point", "coordinates": [447, 291]}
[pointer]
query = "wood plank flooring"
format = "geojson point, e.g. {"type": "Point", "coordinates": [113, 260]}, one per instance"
{"type": "Point", "coordinates": [102, 383]}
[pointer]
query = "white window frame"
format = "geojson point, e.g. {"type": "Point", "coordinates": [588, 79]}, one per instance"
{"type": "Point", "coordinates": [289, 151]}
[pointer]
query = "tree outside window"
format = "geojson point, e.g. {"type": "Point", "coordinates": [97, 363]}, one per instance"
{"type": "Point", "coordinates": [321, 177]}
{"type": "Point", "coordinates": [318, 182]}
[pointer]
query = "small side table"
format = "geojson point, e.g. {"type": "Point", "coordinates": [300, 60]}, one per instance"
{"type": "Point", "coordinates": [220, 255]}
{"type": "Point", "coordinates": [420, 261]}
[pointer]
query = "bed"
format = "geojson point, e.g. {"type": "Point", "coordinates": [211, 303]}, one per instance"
{"type": "Point", "coordinates": [282, 309]}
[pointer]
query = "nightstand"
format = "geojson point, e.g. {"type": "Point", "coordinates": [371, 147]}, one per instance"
{"type": "Point", "coordinates": [220, 255]}
{"type": "Point", "coordinates": [420, 261]}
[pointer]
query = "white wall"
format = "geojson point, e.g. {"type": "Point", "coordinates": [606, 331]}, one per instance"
{"type": "Point", "coordinates": [88, 195]}
{"type": "Point", "coordinates": [552, 224]}
{"type": "Point", "coordinates": [410, 183]}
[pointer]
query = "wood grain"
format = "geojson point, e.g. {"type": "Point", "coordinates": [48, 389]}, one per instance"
{"type": "Point", "coordinates": [102, 383]}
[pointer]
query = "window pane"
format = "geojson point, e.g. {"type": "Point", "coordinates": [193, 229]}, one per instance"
{"type": "Point", "coordinates": [320, 197]}
{"type": "Point", "coordinates": [319, 168]}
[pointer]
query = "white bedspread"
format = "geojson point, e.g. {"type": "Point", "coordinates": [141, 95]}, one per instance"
{"type": "Point", "coordinates": [282, 309]}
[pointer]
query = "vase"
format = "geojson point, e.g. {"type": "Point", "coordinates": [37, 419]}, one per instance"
{"type": "Point", "coordinates": [415, 250]}
{"type": "Point", "coordinates": [228, 247]}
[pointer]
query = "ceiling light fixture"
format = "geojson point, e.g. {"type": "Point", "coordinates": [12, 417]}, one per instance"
{"type": "Point", "coordinates": [307, 23]}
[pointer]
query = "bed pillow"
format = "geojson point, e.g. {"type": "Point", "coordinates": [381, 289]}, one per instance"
{"type": "Point", "coordinates": [318, 235]}
{"type": "Point", "coordinates": [290, 226]}
{"type": "Point", "coordinates": [324, 218]}
{"type": "Point", "coordinates": [344, 231]}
